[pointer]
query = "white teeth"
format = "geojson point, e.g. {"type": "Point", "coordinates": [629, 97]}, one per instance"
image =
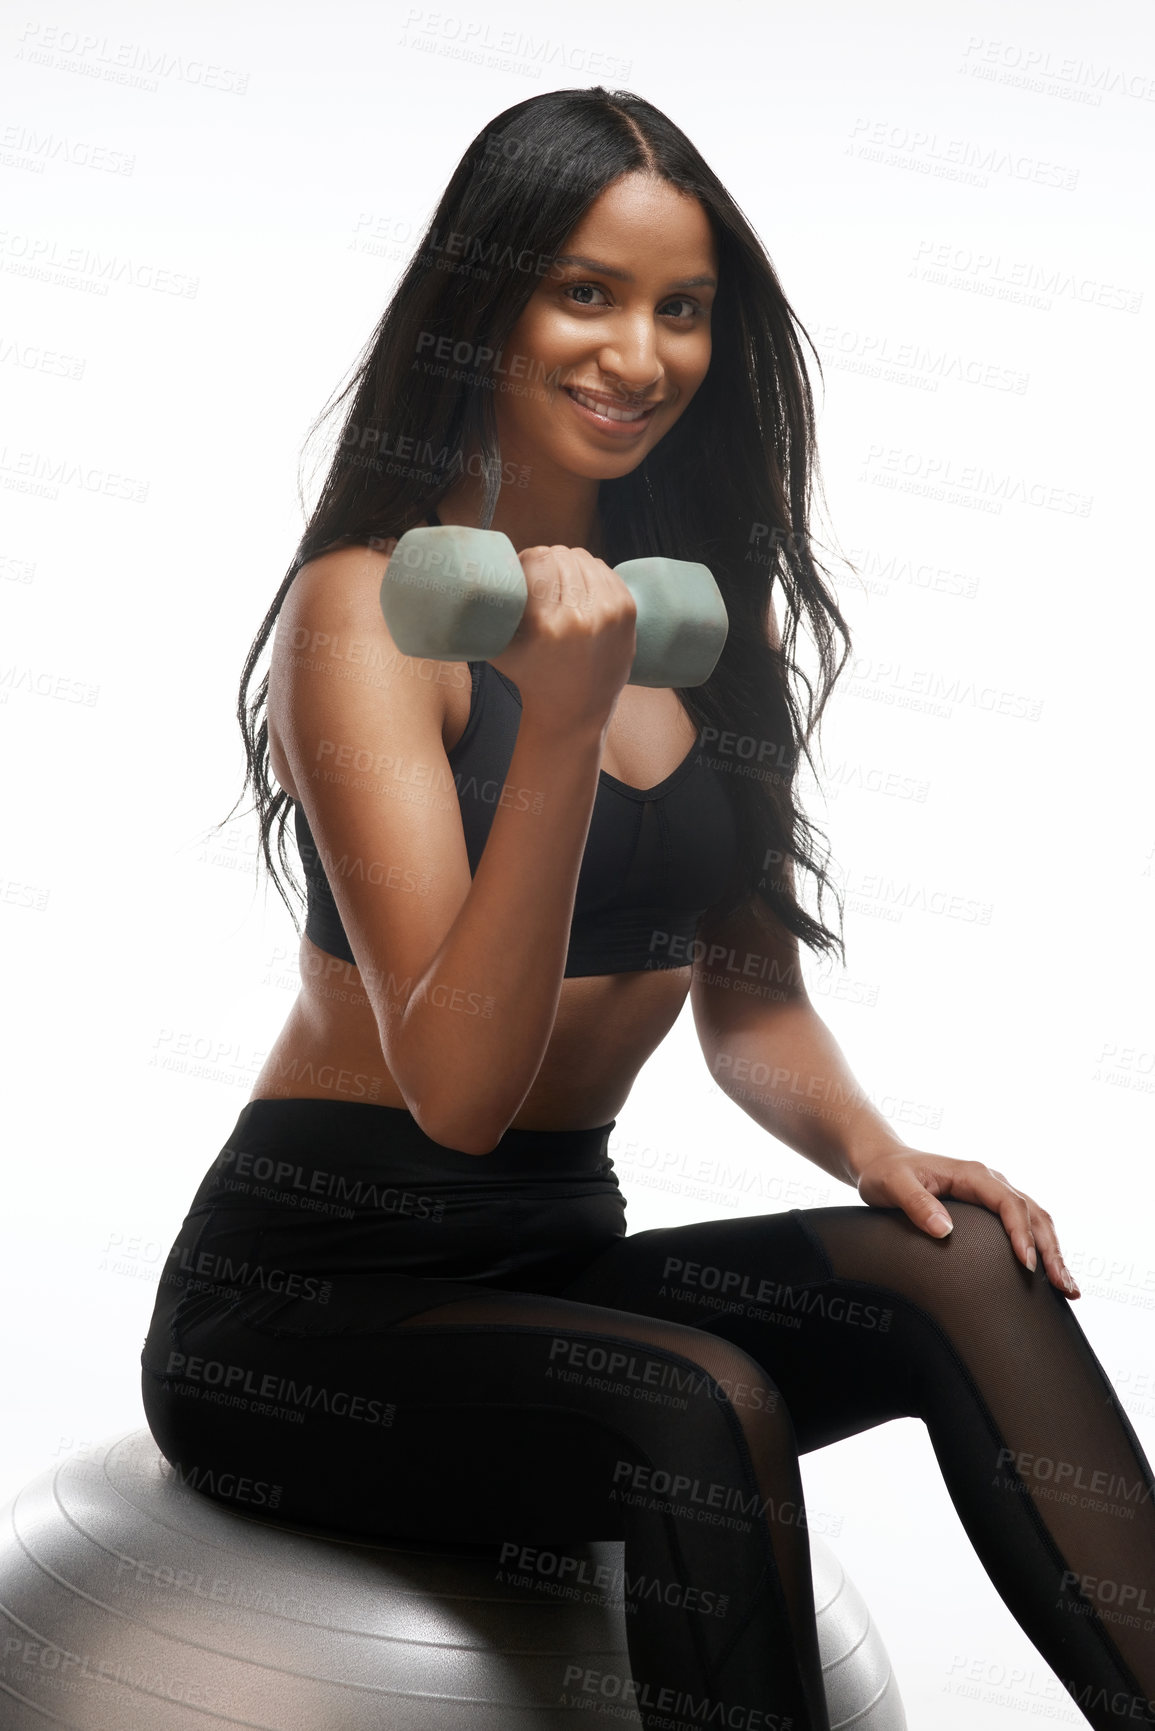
{"type": "Point", "coordinates": [605, 410]}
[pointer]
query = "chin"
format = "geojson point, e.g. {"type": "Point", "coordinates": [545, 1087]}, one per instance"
{"type": "Point", "coordinates": [602, 465]}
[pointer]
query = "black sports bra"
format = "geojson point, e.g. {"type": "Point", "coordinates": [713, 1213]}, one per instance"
{"type": "Point", "coordinates": [655, 858]}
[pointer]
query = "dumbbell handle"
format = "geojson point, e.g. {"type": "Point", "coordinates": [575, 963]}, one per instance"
{"type": "Point", "coordinates": [452, 593]}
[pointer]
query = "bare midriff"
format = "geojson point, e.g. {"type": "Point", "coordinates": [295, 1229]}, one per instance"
{"type": "Point", "coordinates": [606, 1025]}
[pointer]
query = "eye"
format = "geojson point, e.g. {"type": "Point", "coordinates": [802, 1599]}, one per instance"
{"type": "Point", "coordinates": [693, 305]}
{"type": "Point", "coordinates": [581, 288]}
{"type": "Point", "coordinates": [578, 288]}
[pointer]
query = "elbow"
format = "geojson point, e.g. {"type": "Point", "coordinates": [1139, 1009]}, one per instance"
{"type": "Point", "coordinates": [456, 1135]}
{"type": "Point", "coordinates": [465, 1126]}
{"type": "Point", "coordinates": [453, 1126]}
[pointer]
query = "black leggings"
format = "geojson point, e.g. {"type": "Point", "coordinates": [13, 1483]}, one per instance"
{"type": "Point", "coordinates": [397, 1339]}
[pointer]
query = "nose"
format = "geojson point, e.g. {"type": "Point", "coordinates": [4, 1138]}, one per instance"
{"type": "Point", "coordinates": [629, 357]}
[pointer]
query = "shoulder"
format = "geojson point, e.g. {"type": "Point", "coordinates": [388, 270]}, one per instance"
{"type": "Point", "coordinates": [343, 581]}
{"type": "Point", "coordinates": [333, 653]}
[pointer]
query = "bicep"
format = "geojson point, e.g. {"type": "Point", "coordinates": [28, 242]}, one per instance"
{"type": "Point", "coordinates": [362, 738]}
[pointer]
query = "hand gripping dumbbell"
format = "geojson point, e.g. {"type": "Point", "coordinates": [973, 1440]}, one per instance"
{"type": "Point", "coordinates": [457, 594]}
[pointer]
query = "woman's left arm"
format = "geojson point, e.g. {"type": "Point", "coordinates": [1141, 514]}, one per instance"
{"type": "Point", "coordinates": [772, 1054]}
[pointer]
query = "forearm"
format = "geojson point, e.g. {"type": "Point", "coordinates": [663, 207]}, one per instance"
{"type": "Point", "coordinates": [789, 1074]}
{"type": "Point", "coordinates": [501, 965]}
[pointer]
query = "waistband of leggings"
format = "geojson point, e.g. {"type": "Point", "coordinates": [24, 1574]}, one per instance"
{"type": "Point", "coordinates": [354, 1136]}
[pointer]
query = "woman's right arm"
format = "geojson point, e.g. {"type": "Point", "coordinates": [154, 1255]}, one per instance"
{"type": "Point", "coordinates": [464, 975]}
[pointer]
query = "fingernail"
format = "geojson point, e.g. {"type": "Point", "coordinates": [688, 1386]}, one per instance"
{"type": "Point", "coordinates": [1032, 1259]}
{"type": "Point", "coordinates": [1068, 1279]}
{"type": "Point", "coordinates": [942, 1220]}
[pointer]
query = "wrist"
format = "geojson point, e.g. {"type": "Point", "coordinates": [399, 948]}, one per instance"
{"type": "Point", "coordinates": [861, 1154]}
{"type": "Point", "coordinates": [540, 722]}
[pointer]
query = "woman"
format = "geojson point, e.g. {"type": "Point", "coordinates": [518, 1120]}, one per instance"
{"type": "Point", "coordinates": [404, 1292]}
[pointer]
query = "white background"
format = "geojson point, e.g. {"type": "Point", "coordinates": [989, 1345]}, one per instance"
{"type": "Point", "coordinates": [949, 195]}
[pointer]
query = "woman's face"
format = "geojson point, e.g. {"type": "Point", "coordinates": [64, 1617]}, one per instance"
{"type": "Point", "coordinates": [623, 316]}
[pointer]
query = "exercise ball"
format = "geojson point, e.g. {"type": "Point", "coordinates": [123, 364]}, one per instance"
{"type": "Point", "coordinates": [129, 1601]}
{"type": "Point", "coordinates": [860, 1684]}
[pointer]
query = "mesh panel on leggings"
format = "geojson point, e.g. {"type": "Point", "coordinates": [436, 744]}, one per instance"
{"type": "Point", "coordinates": [733, 1440]}
{"type": "Point", "coordinates": [1067, 1447]}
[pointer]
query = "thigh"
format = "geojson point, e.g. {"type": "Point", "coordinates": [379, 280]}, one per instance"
{"type": "Point", "coordinates": [841, 1351]}
{"type": "Point", "coordinates": [481, 1413]}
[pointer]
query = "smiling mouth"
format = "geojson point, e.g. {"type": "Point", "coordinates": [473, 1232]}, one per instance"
{"type": "Point", "coordinates": [608, 411]}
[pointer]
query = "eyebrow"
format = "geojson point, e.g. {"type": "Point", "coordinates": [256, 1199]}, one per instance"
{"type": "Point", "coordinates": [625, 276]}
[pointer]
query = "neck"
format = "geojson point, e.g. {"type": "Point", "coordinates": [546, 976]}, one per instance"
{"type": "Point", "coordinates": [528, 521]}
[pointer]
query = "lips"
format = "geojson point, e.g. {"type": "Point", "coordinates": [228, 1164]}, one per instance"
{"type": "Point", "coordinates": [610, 410]}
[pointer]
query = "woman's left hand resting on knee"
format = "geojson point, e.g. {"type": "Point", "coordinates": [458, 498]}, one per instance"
{"type": "Point", "coordinates": [910, 1179]}
{"type": "Point", "coordinates": [812, 1102]}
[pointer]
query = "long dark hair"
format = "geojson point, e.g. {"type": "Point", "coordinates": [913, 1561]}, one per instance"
{"type": "Point", "coordinates": [730, 485]}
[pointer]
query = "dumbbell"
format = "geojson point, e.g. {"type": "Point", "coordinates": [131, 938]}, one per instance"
{"type": "Point", "coordinates": [451, 593]}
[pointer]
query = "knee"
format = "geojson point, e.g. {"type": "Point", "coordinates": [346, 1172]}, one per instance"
{"type": "Point", "coordinates": [976, 1227]}
{"type": "Point", "coordinates": [977, 1254]}
{"type": "Point", "coordinates": [958, 1274]}
{"type": "Point", "coordinates": [878, 1243]}
{"type": "Point", "coordinates": [723, 1375]}
{"type": "Point", "coordinates": [742, 1381]}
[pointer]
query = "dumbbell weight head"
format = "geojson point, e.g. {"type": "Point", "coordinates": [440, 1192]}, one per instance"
{"type": "Point", "coordinates": [681, 624]}
{"type": "Point", "coordinates": [452, 593]}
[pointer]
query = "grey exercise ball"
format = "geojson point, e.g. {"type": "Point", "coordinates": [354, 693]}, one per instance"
{"type": "Point", "coordinates": [131, 1602]}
